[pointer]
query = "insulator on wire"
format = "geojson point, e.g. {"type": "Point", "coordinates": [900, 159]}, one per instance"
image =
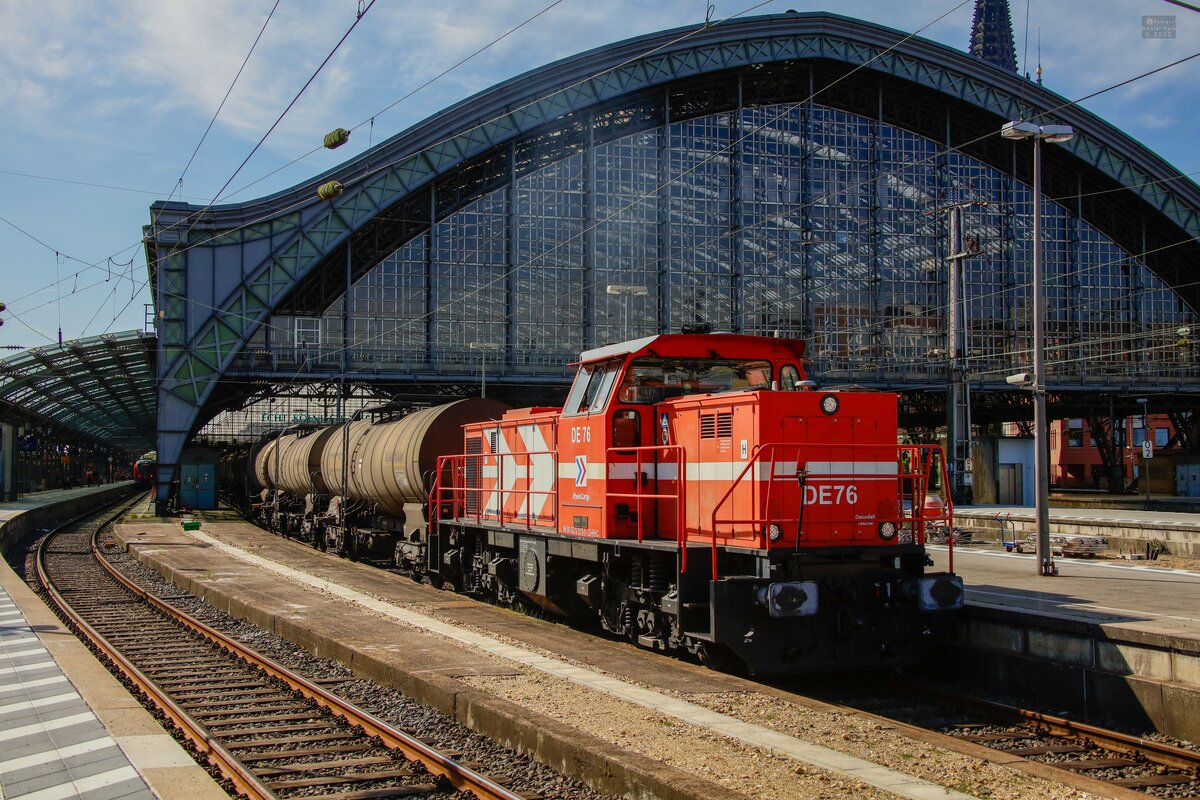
{"type": "Point", "coordinates": [328, 191]}
{"type": "Point", "coordinates": [336, 138]}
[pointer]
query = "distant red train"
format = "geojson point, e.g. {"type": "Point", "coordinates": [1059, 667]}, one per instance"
{"type": "Point", "coordinates": [695, 493]}
{"type": "Point", "coordinates": [145, 469]}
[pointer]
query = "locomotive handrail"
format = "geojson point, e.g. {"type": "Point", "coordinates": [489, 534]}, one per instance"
{"type": "Point", "coordinates": [679, 496]}
{"type": "Point", "coordinates": [923, 455]}
{"type": "Point", "coordinates": [459, 491]}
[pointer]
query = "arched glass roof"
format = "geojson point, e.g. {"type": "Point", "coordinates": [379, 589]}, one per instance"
{"type": "Point", "coordinates": [102, 387]}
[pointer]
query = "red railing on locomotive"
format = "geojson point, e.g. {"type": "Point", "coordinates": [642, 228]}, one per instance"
{"type": "Point", "coordinates": [510, 467]}
{"type": "Point", "coordinates": [744, 450]}
{"type": "Point", "coordinates": [619, 401]}
{"type": "Point", "coordinates": [856, 499]}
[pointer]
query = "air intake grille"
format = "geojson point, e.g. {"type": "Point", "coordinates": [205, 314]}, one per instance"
{"type": "Point", "coordinates": [716, 426]}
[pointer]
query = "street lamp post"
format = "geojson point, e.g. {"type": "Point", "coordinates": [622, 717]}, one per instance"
{"type": "Point", "coordinates": [1041, 469]}
{"type": "Point", "coordinates": [626, 290]}
{"type": "Point", "coordinates": [486, 347]}
{"type": "Point", "coordinates": [1146, 449]}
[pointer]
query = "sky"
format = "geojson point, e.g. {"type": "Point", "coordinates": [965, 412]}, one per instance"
{"type": "Point", "coordinates": [105, 102]}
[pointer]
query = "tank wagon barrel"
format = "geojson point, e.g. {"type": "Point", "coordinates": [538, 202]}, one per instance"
{"type": "Point", "coordinates": [300, 461]}
{"type": "Point", "coordinates": [391, 465]}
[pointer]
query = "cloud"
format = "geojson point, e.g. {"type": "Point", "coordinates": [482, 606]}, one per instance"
{"type": "Point", "coordinates": [1156, 121]}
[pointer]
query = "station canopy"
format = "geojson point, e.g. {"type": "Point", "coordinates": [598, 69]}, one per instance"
{"type": "Point", "coordinates": [101, 387]}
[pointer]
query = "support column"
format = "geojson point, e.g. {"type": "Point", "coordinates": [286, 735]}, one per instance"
{"type": "Point", "coordinates": [737, 223]}
{"type": "Point", "coordinates": [662, 229]}
{"type": "Point", "coordinates": [8, 461]}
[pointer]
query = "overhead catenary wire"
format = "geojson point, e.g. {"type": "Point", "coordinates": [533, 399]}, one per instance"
{"type": "Point", "coordinates": [385, 109]}
{"type": "Point", "coordinates": [228, 91]}
{"type": "Point", "coordinates": [90, 185]}
{"type": "Point", "coordinates": [357, 19]}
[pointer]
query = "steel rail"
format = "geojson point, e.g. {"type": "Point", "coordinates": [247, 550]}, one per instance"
{"type": "Point", "coordinates": [459, 776]}
{"type": "Point", "coordinates": [244, 781]}
{"type": "Point", "coordinates": [1158, 752]}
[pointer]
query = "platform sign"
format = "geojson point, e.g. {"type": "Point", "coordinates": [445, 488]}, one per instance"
{"type": "Point", "coordinates": [1147, 449]}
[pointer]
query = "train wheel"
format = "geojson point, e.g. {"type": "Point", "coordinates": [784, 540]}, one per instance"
{"type": "Point", "coordinates": [435, 580]}
{"type": "Point", "coordinates": [714, 656]}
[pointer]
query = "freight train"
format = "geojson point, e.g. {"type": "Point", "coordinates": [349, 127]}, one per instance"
{"type": "Point", "coordinates": [695, 492]}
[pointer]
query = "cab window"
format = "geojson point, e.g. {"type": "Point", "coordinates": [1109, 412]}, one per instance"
{"type": "Point", "coordinates": [653, 379]}
{"type": "Point", "coordinates": [789, 378]}
{"type": "Point", "coordinates": [591, 389]}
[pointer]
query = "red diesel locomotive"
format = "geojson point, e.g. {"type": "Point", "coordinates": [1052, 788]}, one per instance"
{"type": "Point", "coordinates": [696, 492]}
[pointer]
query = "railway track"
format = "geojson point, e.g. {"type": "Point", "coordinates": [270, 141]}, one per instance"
{"type": "Point", "coordinates": [1133, 766]}
{"type": "Point", "coordinates": [268, 731]}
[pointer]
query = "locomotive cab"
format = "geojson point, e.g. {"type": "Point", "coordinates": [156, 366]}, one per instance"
{"type": "Point", "coordinates": [616, 438]}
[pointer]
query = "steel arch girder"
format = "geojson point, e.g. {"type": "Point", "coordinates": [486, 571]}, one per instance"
{"type": "Point", "coordinates": [194, 371]}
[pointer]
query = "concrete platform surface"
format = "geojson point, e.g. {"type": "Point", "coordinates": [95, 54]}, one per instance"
{"type": "Point", "coordinates": [1144, 598]}
{"type": "Point", "coordinates": [1122, 516]}
{"type": "Point", "coordinates": [38, 510]}
{"type": "Point", "coordinates": [67, 727]}
{"type": "Point", "coordinates": [50, 497]}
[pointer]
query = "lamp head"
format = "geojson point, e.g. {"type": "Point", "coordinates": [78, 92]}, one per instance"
{"type": "Point", "coordinates": [1057, 133]}
{"type": "Point", "coordinates": [1019, 130]}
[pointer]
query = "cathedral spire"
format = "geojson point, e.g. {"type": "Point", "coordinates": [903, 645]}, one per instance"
{"type": "Point", "coordinates": [991, 34]}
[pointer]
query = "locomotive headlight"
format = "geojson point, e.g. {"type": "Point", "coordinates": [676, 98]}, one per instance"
{"type": "Point", "coordinates": [774, 532]}
{"type": "Point", "coordinates": [830, 404]}
{"type": "Point", "coordinates": [940, 592]}
{"type": "Point", "coordinates": [790, 599]}
{"type": "Point", "coordinates": [887, 530]}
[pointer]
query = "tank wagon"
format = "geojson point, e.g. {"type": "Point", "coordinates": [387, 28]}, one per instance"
{"type": "Point", "coordinates": [696, 492]}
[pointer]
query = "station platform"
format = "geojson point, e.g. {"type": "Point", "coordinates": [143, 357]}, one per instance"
{"type": "Point", "coordinates": [1111, 642]}
{"type": "Point", "coordinates": [1121, 594]}
{"type": "Point", "coordinates": [68, 728]}
{"type": "Point", "coordinates": [36, 510]}
{"type": "Point", "coordinates": [1126, 529]}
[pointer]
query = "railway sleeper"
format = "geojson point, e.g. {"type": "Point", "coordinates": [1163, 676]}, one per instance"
{"type": "Point", "coordinates": [350, 777]}
{"type": "Point", "coordinates": [309, 766]}
{"type": "Point", "coordinates": [316, 737]}
{"type": "Point", "coordinates": [262, 730]}
{"type": "Point", "coordinates": [306, 752]}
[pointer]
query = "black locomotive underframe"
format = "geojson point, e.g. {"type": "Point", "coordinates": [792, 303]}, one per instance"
{"type": "Point", "coordinates": [639, 592]}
